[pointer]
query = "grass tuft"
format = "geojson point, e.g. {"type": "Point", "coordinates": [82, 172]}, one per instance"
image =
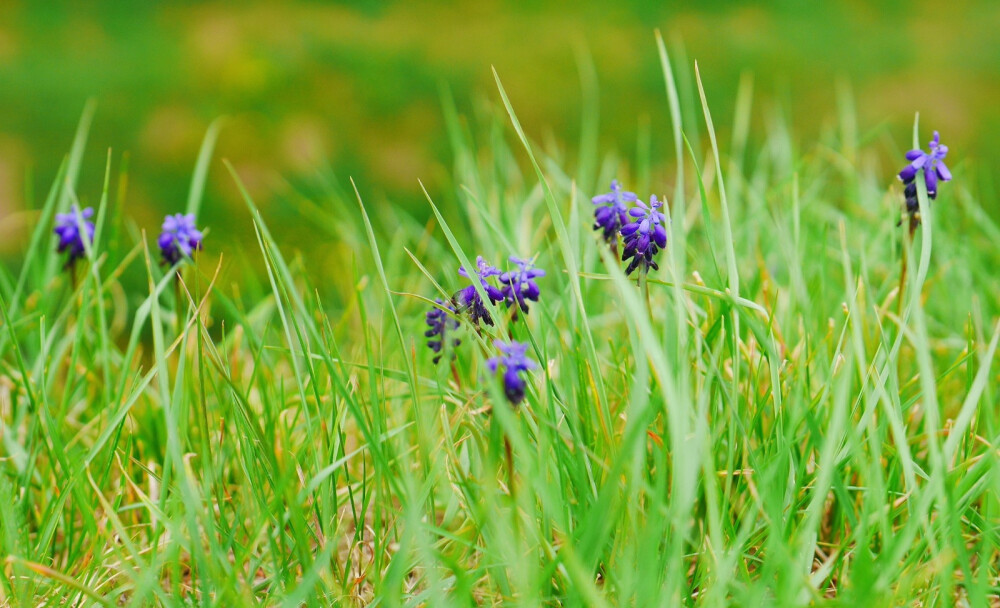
{"type": "Point", "coordinates": [779, 416]}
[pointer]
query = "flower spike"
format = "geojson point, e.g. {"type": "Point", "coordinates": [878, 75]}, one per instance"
{"type": "Point", "coordinates": [519, 285]}
{"type": "Point", "coordinates": [644, 236]}
{"type": "Point", "coordinates": [441, 325]}
{"type": "Point", "coordinates": [468, 298]}
{"type": "Point", "coordinates": [71, 228]}
{"type": "Point", "coordinates": [179, 239]}
{"type": "Point", "coordinates": [934, 169]}
{"type": "Point", "coordinates": [612, 212]}
{"type": "Point", "coordinates": [514, 361]}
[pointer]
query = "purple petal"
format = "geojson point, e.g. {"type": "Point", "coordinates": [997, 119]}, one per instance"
{"type": "Point", "coordinates": [908, 173]}
{"type": "Point", "coordinates": [513, 385]}
{"type": "Point", "coordinates": [930, 177]}
{"type": "Point", "coordinates": [660, 235]}
{"type": "Point", "coordinates": [494, 293]}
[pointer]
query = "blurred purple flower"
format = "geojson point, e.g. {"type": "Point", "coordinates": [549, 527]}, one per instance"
{"type": "Point", "coordinates": [613, 212]}
{"type": "Point", "coordinates": [932, 164]}
{"type": "Point", "coordinates": [514, 361]}
{"type": "Point", "coordinates": [468, 298]}
{"type": "Point", "coordinates": [519, 285]}
{"type": "Point", "coordinates": [179, 238]}
{"type": "Point", "coordinates": [70, 228]}
{"type": "Point", "coordinates": [441, 324]}
{"type": "Point", "coordinates": [644, 236]}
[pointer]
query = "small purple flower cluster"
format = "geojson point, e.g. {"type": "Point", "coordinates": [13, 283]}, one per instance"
{"type": "Point", "coordinates": [468, 298]}
{"type": "Point", "coordinates": [934, 169]}
{"type": "Point", "coordinates": [441, 322]}
{"type": "Point", "coordinates": [519, 285]}
{"type": "Point", "coordinates": [179, 239]}
{"type": "Point", "coordinates": [612, 212]}
{"type": "Point", "coordinates": [514, 287]}
{"type": "Point", "coordinates": [75, 232]}
{"type": "Point", "coordinates": [514, 361]}
{"type": "Point", "coordinates": [643, 237]}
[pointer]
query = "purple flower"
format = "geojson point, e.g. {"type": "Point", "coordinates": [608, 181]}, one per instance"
{"type": "Point", "coordinates": [613, 212]}
{"type": "Point", "coordinates": [513, 360]}
{"type": "Point", "coordinates": [468, 298]}
{"type": "Point", "coordinates": [519, 285]}
{"type": "Point", "coordinates": [932, 164]}
{"type": "Point", "coordinates": [179, 238]}
{"type": "Point", "coordinates": [70, 228]}
{"type": "Point", "coordinates": [441, 324]}
{"type": "Point", "coordinates": [644, 236]}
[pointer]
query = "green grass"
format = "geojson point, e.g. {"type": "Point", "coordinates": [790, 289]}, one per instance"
{"type": "Point", "coordinates": [775, 423]}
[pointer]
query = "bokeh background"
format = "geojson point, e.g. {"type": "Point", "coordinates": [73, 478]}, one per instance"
{"type": "Point", "coordinates": [355, 89]}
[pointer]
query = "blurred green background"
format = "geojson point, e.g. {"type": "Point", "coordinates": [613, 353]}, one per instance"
{"type": "Point", "coordinates": [356, 87]}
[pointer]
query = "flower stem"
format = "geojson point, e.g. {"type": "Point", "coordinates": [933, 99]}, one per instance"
{"type": "Point", "coordinates": [509, 454]}
{"type": "Point", "coordinates": [644, 287]}
{"type": "Point", "coordinates": [903, 262]}
{"type": "Point", "coordinates": [177, 302]}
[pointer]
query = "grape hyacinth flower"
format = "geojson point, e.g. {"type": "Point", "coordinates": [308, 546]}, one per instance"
{"type": "Point", "coordinates": [180, 238]}
{"type": "Point", "coordinates": [644, 236]}
{"type": "Point", "coordinates": [70, 227]}
{"type": "Point", "coordinates": [441, 325]}
{"type": "Point", "coordinates": [519, 285]}
{"type": "Point", "coordinates": [468, 298]}
{"type": "Point", "coordinates": [514, 361]}
{"type": "Point", "coordinates": [613, 212]}
{"type": "Point", "coordinates": [932, 164]}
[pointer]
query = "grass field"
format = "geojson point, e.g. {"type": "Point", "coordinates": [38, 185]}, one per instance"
{"type": "Point", "coordinates": [779, 416]}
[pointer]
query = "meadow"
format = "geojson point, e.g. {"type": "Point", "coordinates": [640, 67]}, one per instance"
{"type": "Point", "coordinates": [798, 407]}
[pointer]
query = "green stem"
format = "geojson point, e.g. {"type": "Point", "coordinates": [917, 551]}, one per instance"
{"type": "Point", "coordinates": [644, 288]}
{"type": "Point", "coordinates": [509, 453]}
{"type": "Point", "coordinates": [177, 302]}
